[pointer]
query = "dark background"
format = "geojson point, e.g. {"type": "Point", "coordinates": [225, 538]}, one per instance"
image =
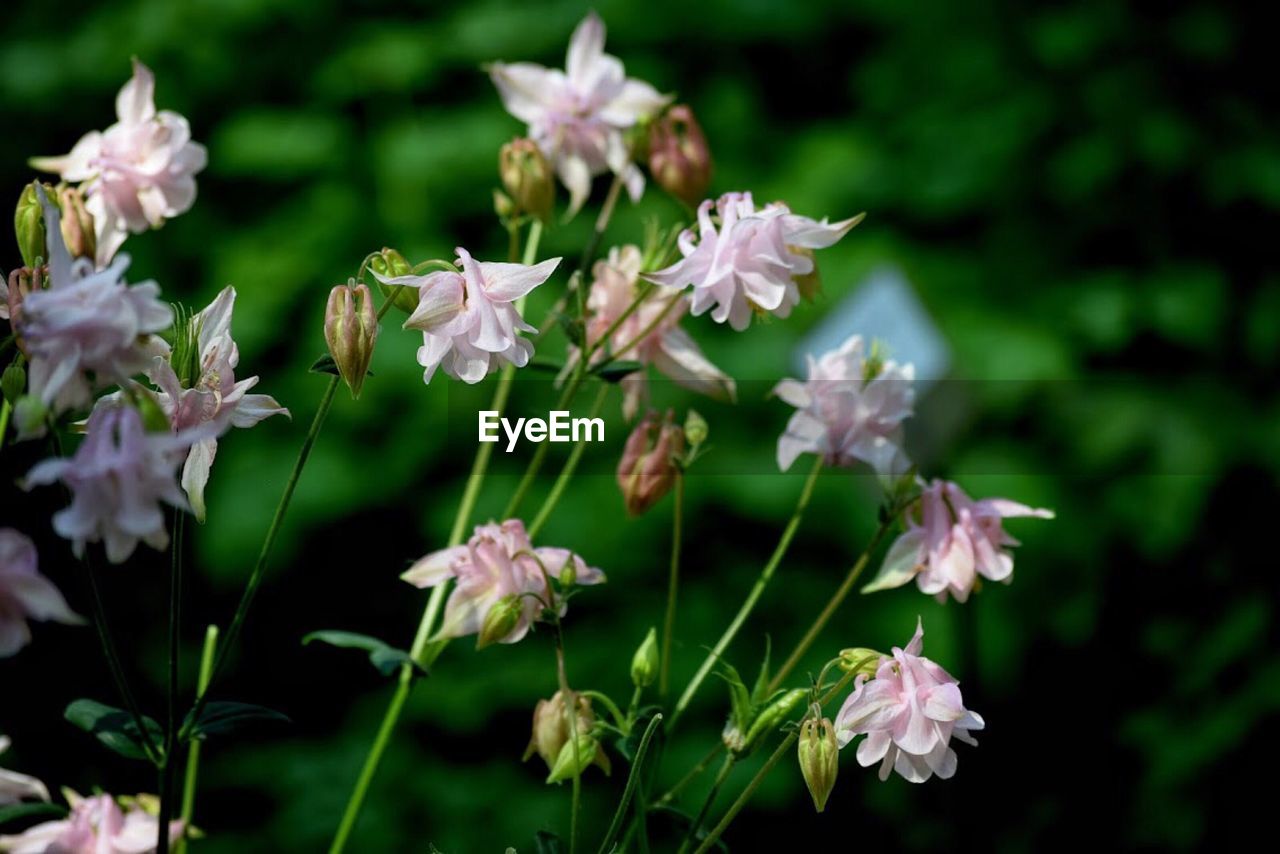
{"type": "Point", "coordinates": [1084, 196]}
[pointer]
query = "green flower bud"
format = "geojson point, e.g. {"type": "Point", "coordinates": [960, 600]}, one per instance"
{"type": "Point", "coordinates": [153, 418]}
{"type": "Point", "coordinates": [527, 178]}
{"type": "Point", "coordinates": [772, 717]}
{"type": "Point", "coordinates": [389, 264]}
{"type": "Point", "coordinates": [28, 226]}
{"type": "Point", "coordinates": [14, 382]}
{"type": "Point", "coordinates": [350, 330]}
{"type": "Point", "coordinates": [574, 758]}
{"type": "Point", "coordinates": [819, 756]}
{"type": "Point", "coordinates": [695, 428]}
{"type": "Point", "coordinates": [29, 414]}
{"type": "Point", "coordinates": [500, 621]}
{"type": "Point", "coordinates": [644, 664]}
{"type": "Point", "coordinates": [860, 660]}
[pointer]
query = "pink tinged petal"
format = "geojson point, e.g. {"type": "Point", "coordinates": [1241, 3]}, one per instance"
{"type": "Point", "coordinates": [136, 102]}
{"type": "Point", "coordinates": [1012, 509]}
{"type": "Point", "coordinates": [680, 358]}
{"type": "Point", "coordinates": [432, 352]}
{"type": "Point", "coordinates": [916, 644]}
{"type": "Point", "coordinates": [469, 364]}
{"type": "Point", "coordinates": [195, 474]}
{"type": "Point", "coordinates": [942, 761]}
{"type": "Point", "coordinates": [873, 748]}
{"type": "Point", "coordinates": [526, 89]}
{"type": "Point", "coordinates": [40, 599]}
{"type": "Point", "coordinates": [14, 633]}
{"type": "Point", "coordinates": [811, 234]}
{"type": "Point", "coordinates": [16, 787]}
{"type": "Point", "coordinates": [215, 319]}
{"type": "Point", "coordinates": [509, 282]}
{"type": "Point", "coordinates": [440, 300]}
{"type": "Point", "coordinates": [886, 767]}
{"type": "Point", "coordinates": [586, 50]}
{"type": "Point", "coordinates": [637, 100]}
{"type": "Point", "coordinates": [903, 560]}
{"type": "Point", "coordinates": [942, 702]}
{"type": "Point", "coordinates": [59, 259]}
{"type": "Point", "coordinates": [435, 568]}
{"type": "Point", "coordinates": [575, 174]}
{"type": "Point", "coordinates": [793, 392]}
{"type": "Point", "coordinates": [253, 408]}
{"type": "Point", "coordinates": [912, 768]}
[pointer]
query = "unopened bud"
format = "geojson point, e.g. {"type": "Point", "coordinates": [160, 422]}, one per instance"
{"type": "Point", "coordinates": [551, 729]}
{"type": "Point", "coordinates": [819, 755]}
{"type": "Point", "coordinates": [678, 155]}
{"type": "Point", "coordinates": [502, 205]}
{"type": "Point", "coordinates": [350, 330]}
{"type": "Point", "coordinates": [569, 573]}
{"type": "Point", "coordinates": [860, 660]}
{"type": "Point", "coordinates": [28, 225]}
{"type": "Point", "coordinates": [29, 417]}
{"type": "Point", "coordinates": [648, 468]}
{"type": "Point", "coordinates": [527, 178]}
{"type": "Point", "coordinates": [500, 621]}
{"type": "Point", "coordinates": [772, 717]}
{"type": "Point", "coordinates": [695, 428]}
{"type": "Point", "coordinates": [153, 418]}
{"type": "Point", "coordinates": [22, 282]}
{"type": "Point", "coordinates": [810, 283]}
{"type": "Point", "coordinates": [575, 756]}
{"type": "Point", "coordinates": [77, 224]}
{"type": "Point", "coordinates": [644, 664]}
{"type": "Point", "coordinates": [13, 383]}
{"type": "Point", "coordinates": [390, 264]}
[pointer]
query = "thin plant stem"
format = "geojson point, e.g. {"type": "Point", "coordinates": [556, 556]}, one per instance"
{"type": "Point", "coordinates": [169, 768]}
{"type": "Point", "coordinates": [725, 768]}
{"type": "Point", "coordinates": [570, 465]}
{"type": "Point", "coordinates": [692, 775]}
{"type": "Point", "coordinates": [673, 586]}
{"type": "Point", "coordinates": [6, 410]}
{"type": "Point", "coordinates": [753, 597]}
{"type": "Point", "coordinates": [828, 611]}
{"type": "Point", "coordinates": [648, 330]}
{"type": "Point", "coordinates": [633, 780]}
{"type": "Point", "coordinates": [193, 752]}
{"type": "Point", "coordinates": [571, 705]}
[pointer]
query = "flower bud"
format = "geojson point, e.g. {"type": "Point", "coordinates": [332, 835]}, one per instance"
{"type": "Point", "coordinates": [551, 729]}
{"type": "Point", "coordinates": [644, 664]}
{"type": "Point", "coordinates": [389, 264]}
{"type": "Point", "coordinates": [500, 621]}
{"type": "Point", "coordinates": [819, 755]}
{"type": "Point", "coordinates": [13, 382]}
{"type": "Point", "coordinates": [29, 414]}
{"type": "Point", "coordinates": [648, 467]}
{"type": "Point", "coordinates": [153, 418]}
{"type": "Point", "coordinates": [678, 155]}
{"type": "Point", "coordinates": [695, 428]}
{"type": "Point", "coordinates": [860, 660]}
{"type": "Point", "coordinates": [575, 756]}
{"type": "Point", "coordinates": [28, 226]}
{"type": "Point", "coordinates": [772, 717]}
{"type": "Point", "coordinates": [350, 330]}
{"type": "Point", "coordinates": [22, 281]}
{"type": "Point", "coordinates": [77, 224]}
{"type": "Point", "coordinates": [527, 178]}
{"type": "Point", "coordinates": [810, 283]}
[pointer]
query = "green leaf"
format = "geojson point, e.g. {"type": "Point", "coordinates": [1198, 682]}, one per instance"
{"type": "Point", "coordinates": [739, 699]}
{"type": "Point", "coordinates": [220, 718]}
{"type": "Point", "coordinates": [326, 365]}
{"type": "Point", "coordinates": [613, 372]}
{"type": "Point", "coordinates": [546, 842]}
{"type": "Point", "coordinates": [114, 727]}
{"type": "Point", "coordinates": [386, 658]}
{"type": "Point", "coordinates": [545, 365]}
{"type": "Point", "coordinates": [14, 812]}
{"type": "Point", "coordinates": [761, 687]}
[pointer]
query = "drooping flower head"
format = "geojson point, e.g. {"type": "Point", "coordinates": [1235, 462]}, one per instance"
{"type": "Point", "coordinates": [468, 320]}
{"type": "Point", "coordinates": [25, 595]}
{"type": "Point", "coordinates": [648, 467]}
{"type": "Point", "coordinates": [96, 825]}
{"type": "Point", "coordinates": [746, 260]}
{"type": "Point", "coordinates": [950, 541]}
{"type": "Point", "coordinates": [850, 408]}
{"type": "Point", "coordinates": [16, 787]}
{"type": "Point", "coordinates": [577, 116]}
{"type": "Point", "coordinates": [500, 581]}
{"type": "Point", "coordinates": [551, 729]}
{"type": "Point", "coordinates": [138, 172]}
{"type": "Point", "coordinates": [650, 335]}
{"type": "Point", "coordinates": [208, 394]}
{"type": "Point", "coordinates": [118, 477]}
{"type": "Point", "coordinates": [908, 713]}
{"type": "Point", "coordinates": [88, 328]}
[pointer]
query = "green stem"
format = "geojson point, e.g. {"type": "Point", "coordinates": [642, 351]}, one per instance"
{"type": "Point", "coordinates": [842, 592]}
{"type": "Point", "coordinates": [725, 768]}
{"type": "Point", "coordinates": [169, 770]}
{"type": "Point", "coordinates": [673, 585]}
{"type": "Point", "coordinates": [754, 596]}
{"type": "Point", "coordinates": [260, 566]}
{"type": "Point", "coordinates": [566, 474]}
{"type": "Point", "coordinates": [193, 752]}
{"type": "Point", "coordinates": [6, 410]}
{"type": "Point", "coordinates": [648, 330]}
{"type": "Point", "coordinates": [692, 775]}
{"type": "Point", "coordinates": [633, 779]}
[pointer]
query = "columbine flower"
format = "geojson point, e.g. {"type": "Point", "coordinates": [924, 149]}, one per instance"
{"type": "Point", "coordinates": [118, 477]}
{"type": "Point", "coordinates": [749, 262]}
{"type": "Point", "coordinates": [87, 329]}
{"type": "Point", "coordinates": [16, 787]}
{"type": "Point", "coordinates": [851, 408]}
{"type": "Point", "coordinates": [25, 594]}
{"type": "Point", "coordinates": [950, 541]}
{"type": "Point", "coordinates": [664, 344]}
{"type": "Point", "coordinates": [908, 713]}
{"type": "Point", "coordinates": [208, 393]}
{"type": "Point", "coordinates": [138, 172]}
{"type": "Point", "coordinates": [467, 319]}
{"type": "Point", "coordinates": [577, 116]}
{"type": "Point", "coordinates": [551, 731]}
{"type": "Point", "coordinates": [499, 581]}
{"type": "Point", "coordinates": [96, 825]}
{"type": "Point", "coordinates": [649, 468]}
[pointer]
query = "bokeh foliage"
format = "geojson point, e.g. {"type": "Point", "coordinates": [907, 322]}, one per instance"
{"type": "Point", "coordinates": [1085, 197]}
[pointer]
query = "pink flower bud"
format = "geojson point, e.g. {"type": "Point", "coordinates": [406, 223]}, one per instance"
{"type": "Point", "coordinates": [648, 467]}
{"type": "Point", "coordinates": [678, 155]}
{"type": "Point", "coordinates": [77, 224]}
{"type": "Point", "coordinates": [350, 330]}
{"type": "Point", "coordinates": [526, 177]}
{"type": "Point", "coordinates": [22, 282]}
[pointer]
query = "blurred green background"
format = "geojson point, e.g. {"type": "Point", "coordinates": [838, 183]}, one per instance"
{"type": "Point", "coordinates": [1084, 196]}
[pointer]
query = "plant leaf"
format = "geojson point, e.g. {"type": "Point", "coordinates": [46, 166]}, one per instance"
{"type": "Point", "coordinates": [386, 658]}
{"type": "Point", "coordinates": [220, 718]}
{"type": "Point", "coordinates": [14, 812]}
{"type": "Point", "coordinates": [114, 727]}
{"type": "Point", "coordinates": [739, 698]}
{"type": "Point", "coordinates": [614, 372]}
{"type": "Point", "coordinates": [762, 681]}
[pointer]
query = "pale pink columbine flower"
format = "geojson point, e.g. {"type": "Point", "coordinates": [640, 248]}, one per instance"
{"type": "Point", "coordinates": [578, 116]}
{"type": "Point", "coordinates": [745, 260]}
{"type": "Point", "coordinates": [96, 825]}
{"type": "Point", "coordinates": [850, 408]}
{"type": "Point", "coordinates": [664, 345]}
{"type": "Point", "coordinates": [500, 586]}
{"type": "Point", "coordinates": [118, 477]}
{"type": "Point", "coordinates": [468, 320]}
{"type": "Point", "coordinates": [138, 172]}
{"type": "Point", "coordinates": [25, 595]}
{"type": "Point", "coordinates": [214, 397]}
{"type": "Point", "coordinates": [16, 787]}
{"type": "Point", "coordinates": [89, 328]}
{"type": "Point", "coordinates": [908, 713]}
{"type": "Point", "coordinates": [951, 540]}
